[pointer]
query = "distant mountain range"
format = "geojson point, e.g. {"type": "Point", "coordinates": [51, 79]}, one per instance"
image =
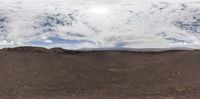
{"type": "Point", "coordinates": [61, 50]}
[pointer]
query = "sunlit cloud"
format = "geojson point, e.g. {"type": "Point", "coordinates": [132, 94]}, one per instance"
{"type": "Point", "coordinates": [76, 24]}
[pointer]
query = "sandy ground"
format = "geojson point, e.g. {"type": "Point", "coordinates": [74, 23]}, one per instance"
{"type": "Point", "coordinates": [37, 73]}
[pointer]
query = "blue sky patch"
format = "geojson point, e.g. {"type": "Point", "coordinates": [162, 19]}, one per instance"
{"type": "Point", "coordinates": [56, 40]}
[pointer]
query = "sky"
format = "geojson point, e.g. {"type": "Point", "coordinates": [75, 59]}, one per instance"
{"type": "Point", "coordinates": [82, 24]}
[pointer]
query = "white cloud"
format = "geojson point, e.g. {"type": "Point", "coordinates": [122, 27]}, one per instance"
{"type": "Point", "coordinates": [111, 23]}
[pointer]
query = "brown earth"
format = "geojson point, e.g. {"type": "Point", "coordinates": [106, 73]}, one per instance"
{"type": "Point", "coordinates": [39, 73]}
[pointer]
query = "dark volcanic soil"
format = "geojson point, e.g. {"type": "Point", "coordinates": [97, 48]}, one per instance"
{"type": "Point", "coordinates": [38, 73]}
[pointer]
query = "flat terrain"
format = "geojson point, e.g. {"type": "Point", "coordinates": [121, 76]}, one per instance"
{"type": "Point", "coordinates": [38, 73]}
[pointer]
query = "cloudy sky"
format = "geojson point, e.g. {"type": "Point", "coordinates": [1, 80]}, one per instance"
{"type": "Point", "coordinates": [76, 24]}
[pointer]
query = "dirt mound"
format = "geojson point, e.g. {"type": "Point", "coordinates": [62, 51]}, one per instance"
{"type": "Point", "coordinates": [27, 72]}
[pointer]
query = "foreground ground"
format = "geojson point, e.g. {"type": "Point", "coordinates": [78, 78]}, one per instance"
{"type": "Point", "coordinates": [38, 73]}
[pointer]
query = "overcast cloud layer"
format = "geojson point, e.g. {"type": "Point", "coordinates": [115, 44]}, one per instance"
{"type": "Point", "coordinates": [124, 24]}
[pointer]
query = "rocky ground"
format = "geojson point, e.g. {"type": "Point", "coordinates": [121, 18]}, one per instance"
{"type": "Point", "coordinates": [39, 73]}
